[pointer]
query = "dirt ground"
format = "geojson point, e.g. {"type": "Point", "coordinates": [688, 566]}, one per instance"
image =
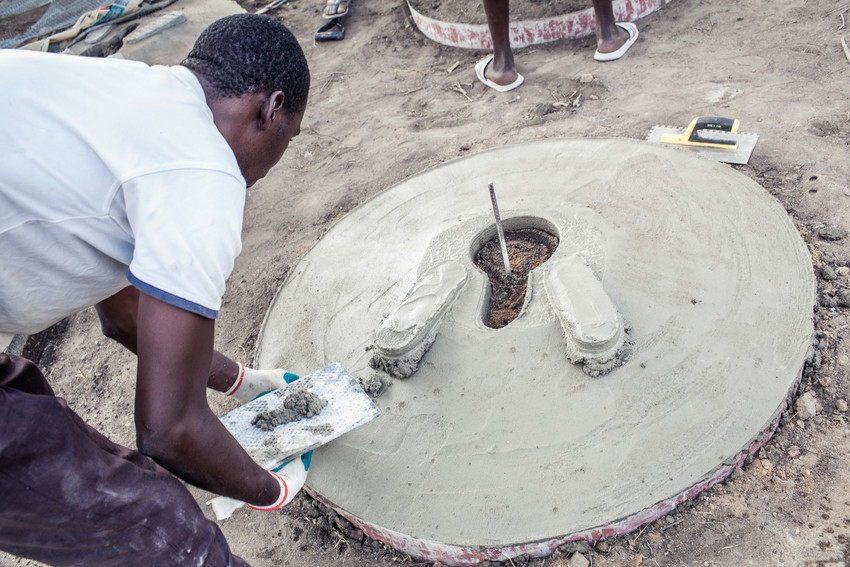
{"type": "Point", "coordinates": [386, 103]}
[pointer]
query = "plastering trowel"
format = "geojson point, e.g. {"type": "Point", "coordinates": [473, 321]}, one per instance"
{"type": "Point", "coordinates": [712, 136]}
{"type": "Point", "coordinates": [348, 406]}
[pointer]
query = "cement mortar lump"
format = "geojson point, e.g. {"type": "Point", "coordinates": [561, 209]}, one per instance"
{"type": "Point", "coordinates": [300, 404]}
{"type": "Point", "coordinates": [499, 438]}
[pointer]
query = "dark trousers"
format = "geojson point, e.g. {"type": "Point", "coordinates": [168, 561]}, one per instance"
{"type": "Point", "coordinates": [70, 496]}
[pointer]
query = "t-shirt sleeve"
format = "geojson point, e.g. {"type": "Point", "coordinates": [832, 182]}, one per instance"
{"type": "Point", "coordinates": [187, 226]}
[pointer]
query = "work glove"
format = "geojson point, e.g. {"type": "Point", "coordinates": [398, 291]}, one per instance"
{"type": "Point", "coordinates": [291, 477]}
{"type": "Point", "coordinates": [250, 384]}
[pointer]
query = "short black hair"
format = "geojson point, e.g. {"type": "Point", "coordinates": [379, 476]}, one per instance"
{"type": "Point", "coordinates": [249, 53]}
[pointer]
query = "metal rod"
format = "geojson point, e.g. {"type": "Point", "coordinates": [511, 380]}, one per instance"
{"type": "Point", "coordinates": [500, 231]}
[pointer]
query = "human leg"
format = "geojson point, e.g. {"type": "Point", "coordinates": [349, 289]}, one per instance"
{"type": "Point", "coordinates": [611, 37]}
{"type": "Point", "coordinates": [72, 497]}
{"type": "Point", "coordinates": [501, 69]}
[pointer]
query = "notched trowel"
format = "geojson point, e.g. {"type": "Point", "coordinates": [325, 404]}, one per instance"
{"type": "Point", "coordinates": [348, 406]}
{"type": "Point", "coordinates": [712, 136]}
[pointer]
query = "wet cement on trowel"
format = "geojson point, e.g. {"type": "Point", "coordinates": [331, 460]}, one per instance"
{"type": "Point", "coordinates": [497, 438]}
{"type": "Point", "coordinates": [300, 404]}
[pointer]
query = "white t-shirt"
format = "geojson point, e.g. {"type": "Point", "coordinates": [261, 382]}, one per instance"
{"type": "Point", "coordinates": [110, 170]}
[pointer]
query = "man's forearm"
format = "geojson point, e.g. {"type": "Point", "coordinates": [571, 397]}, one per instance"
{"type": "Point", "coordinates": [174, 424]}
{"type": "Point", "coordinates": [206, 455]}
{"type": "Point", "coordinates": [223, 372]}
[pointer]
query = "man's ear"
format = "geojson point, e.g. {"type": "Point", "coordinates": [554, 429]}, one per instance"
{"type": "Point", "coordinates": [272, 110]}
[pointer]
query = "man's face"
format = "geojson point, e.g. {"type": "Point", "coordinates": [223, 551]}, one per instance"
{"type": "Point", "coordinates": [268, 147]}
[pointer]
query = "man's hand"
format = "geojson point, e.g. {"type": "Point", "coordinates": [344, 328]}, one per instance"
{"type": "Point", "coordinates": [291, 477]}
{"type": "Point", "coordinates": [251, 384]}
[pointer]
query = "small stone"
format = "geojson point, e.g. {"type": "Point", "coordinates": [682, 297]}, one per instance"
{"type": "Point", "coordinates": [357, 534]}
{"type": "Point", "coordinates": [814, 358]}
{"type": "Point", "coordinates": [737, 474]}
{"type": "Point", "coordinates": [843, 271]}
{"type": "Point", "coordinates": [793, 451]}
{"type": "Point", "coordinates": [542, 109]}
{"type": "Point", "coordinates": [603, 547]}
{"type": "Point", "coordinates": [586, 78]}
{"type": "Point", "coordinates": [579, 546]}
{"type": "Point", "coordinates": [832, 233]}
{"type": "Point", "coordinates": [841, 405]}
{"type": "Point", "coordinates": [313, 511]}
{"type": "Point", "coordinates": [826, 300]}
{"type": "Point", "coordinates": [579, 560]}
{"type": "Point", "coordinates": [342, 524]}
{"type": "Point", "coordinates": [806, 406]}
{"type": "Point", "coordinates": [843, 298]}
{"type": "Point", "coordinates": [827, 273]}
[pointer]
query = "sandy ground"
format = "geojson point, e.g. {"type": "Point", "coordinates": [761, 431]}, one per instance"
{"type": "Point", "coordinates": [386, 103]}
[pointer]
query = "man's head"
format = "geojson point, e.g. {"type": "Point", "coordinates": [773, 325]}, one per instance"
{"type": "Point", "coordinates": [256, 80]}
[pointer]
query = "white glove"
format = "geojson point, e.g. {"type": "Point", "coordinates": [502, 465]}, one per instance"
{"type": "Point", "coordinates": [291, 478]}
{"type": "Point", "coordinates": [251, 384]}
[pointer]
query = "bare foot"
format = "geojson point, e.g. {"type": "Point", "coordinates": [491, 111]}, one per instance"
{"type": "Point", "coordinates": [500, 76]}
{"type": "Point", "coordinates": [336, 8]}
{"type": "Point", "coordinates": [616, 39]}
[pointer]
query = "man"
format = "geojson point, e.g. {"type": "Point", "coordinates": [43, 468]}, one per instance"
{"type": "Point", "coordinates": [114, 172]}
{"type": "Point", "coordinates": [498, 71]}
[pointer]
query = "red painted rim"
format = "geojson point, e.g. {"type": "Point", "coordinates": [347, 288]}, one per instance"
{"type": "Point", "coordinates": [568, 26]}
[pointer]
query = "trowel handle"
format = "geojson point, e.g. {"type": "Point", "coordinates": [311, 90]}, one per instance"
{"type": "Point", "coordinates": [716, 123]}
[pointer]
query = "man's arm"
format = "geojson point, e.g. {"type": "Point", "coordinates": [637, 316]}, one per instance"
{"type": "Point", "coordinates": [174, 424]}
{"type": "Point", "coordinates": [119, 321]}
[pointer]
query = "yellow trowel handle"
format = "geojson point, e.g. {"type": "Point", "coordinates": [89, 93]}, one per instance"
{"type": "Point", "coordinates": [716, 123]}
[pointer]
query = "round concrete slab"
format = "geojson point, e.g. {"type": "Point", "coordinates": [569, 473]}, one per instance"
{"type": "Point", "coordinates": [498, 440]}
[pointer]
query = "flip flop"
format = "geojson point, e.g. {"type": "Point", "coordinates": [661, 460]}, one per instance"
{"type": "Point", "coordinates": [336, 3]}
{"type": "Point", "coordinates": [479, 72]}
{"type": "Point", "coordinates": [632, 30]}
{"type": "Point", "coordinates": [330, 31]}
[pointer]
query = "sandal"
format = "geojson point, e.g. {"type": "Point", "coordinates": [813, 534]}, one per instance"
{"type": "Point", "coordinates": [336, 5]}
{"type": "Point", "coordinates": [329, 31]}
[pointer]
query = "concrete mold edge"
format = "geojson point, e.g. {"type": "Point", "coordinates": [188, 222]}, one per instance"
{"type": "Point", "coordinates": [465, 556]}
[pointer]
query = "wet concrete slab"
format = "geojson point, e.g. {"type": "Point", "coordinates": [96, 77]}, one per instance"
{"type": "Point", "coordinates": [501, 438]}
